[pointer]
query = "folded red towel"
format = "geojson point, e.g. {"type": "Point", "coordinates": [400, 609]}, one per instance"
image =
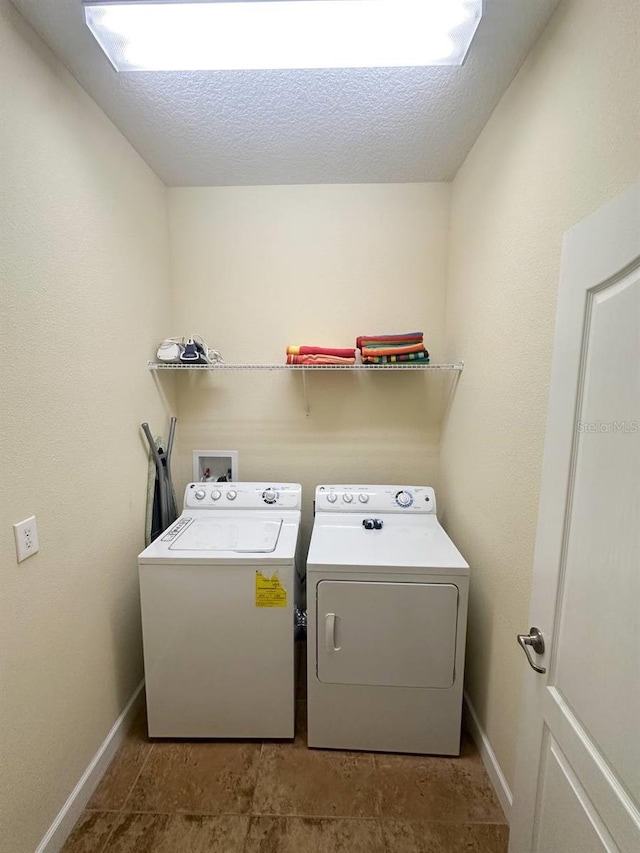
{"type": "Point", "coordinates": [304, 350]}
{"type": "Point", "coordinates": [319, 358]}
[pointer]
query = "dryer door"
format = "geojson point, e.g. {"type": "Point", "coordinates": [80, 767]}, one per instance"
{"type": "Point", "coordinates": [387, 634]}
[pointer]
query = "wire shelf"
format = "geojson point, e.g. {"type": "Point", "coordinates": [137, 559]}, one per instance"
{"type": "Point", "coordinates": [457, 366]}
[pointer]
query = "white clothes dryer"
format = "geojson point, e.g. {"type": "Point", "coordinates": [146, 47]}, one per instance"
{"type": "Point", "coordinates": [387, 611]}
{"type": "Point", "coordinates": [217, 592]}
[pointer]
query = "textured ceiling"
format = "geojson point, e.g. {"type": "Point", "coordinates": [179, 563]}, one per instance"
{"type": "Point", "coordinates": [298, 127]}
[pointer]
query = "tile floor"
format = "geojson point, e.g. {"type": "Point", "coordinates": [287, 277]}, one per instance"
{"type": "Point", "coordinates": [280, 797]}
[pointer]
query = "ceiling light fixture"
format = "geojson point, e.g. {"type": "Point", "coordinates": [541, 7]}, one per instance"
{"type": "Point", "coordinates": [160, 35]}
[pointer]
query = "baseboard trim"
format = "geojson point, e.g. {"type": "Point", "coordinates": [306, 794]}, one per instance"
{"type": "Point", "coordinates": [68, 815]}
{"type": "Point", "coordinates": [492, 766]}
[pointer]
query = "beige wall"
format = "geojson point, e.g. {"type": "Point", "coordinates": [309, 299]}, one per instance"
{"type": "Point", "coordinates": [257, 268]}
{"type": "Point", "coordinates": [563, 140]}
{"type": "Point", "coordinates": [84, 299]}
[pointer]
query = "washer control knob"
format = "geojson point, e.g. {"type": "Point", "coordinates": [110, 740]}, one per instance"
{"type": "Point", "coordinates": [364, 499]}
{"type": "Point", "coordinates": [232, 495]}
{"type": "Point", "coordinates": [269, 496]}
{"type": "Point", "coordinates": [216, 494]}
{"type": "Point", "coordinates": [332, 497]}
{"type": "Point", "coordinates": [200, 494]}
{"type": "Point", "coordinates": [404, 498]}
{"type": "Point", "coordinates": [347, 497]}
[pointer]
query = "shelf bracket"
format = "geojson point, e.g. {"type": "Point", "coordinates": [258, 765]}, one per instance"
{"type": "Point", "coordinates": [451, 394]}
{"type": "Point", "coordinates": [305, 395]}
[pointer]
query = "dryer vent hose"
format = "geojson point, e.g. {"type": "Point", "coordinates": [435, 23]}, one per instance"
{"type": "Point", "coordinates": [300, 622]}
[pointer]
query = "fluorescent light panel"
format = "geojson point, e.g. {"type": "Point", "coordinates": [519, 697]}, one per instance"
{"type": "Point", "coordinates": [200, 36]}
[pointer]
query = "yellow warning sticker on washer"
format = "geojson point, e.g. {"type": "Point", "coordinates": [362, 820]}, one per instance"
{"type": "Point", "coordinates": [270, 592]}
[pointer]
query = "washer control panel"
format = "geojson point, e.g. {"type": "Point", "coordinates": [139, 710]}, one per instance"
{"type": "Point", "coordinates": [176, 529]}
{"type": "Point", "coordinates": [369, 499]}
{"type": "Point", "coordinates": [214, 496]}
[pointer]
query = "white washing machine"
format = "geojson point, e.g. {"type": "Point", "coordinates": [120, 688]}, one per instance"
{"type": "Point", "coordinates": [387, 595]}
{"type": "Point", "coordinates": [217, 593]}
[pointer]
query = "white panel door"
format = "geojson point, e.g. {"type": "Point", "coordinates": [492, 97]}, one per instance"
{"type": "Point", "coordinates": [578, 778]}
{"type": "Point", "coordinates": [387, 634]}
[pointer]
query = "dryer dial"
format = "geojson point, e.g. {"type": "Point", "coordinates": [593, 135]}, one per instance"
{"type": "Point", "coordinates": [404, 499]}
{"type": "Point", "coordinates": [269, 496]}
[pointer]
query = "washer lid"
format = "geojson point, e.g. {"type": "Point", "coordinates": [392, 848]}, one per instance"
{"type": "Point", "coordinates": [240, 535]}
{"type": "Point", "coordinates": [341, 542]}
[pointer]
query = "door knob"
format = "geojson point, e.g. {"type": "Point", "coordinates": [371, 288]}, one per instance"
{"type": "Point", "coordinates": [534, 639]}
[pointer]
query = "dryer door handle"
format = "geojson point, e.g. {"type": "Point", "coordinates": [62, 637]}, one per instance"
{"type": "Point", "coordinates": [330, 633]}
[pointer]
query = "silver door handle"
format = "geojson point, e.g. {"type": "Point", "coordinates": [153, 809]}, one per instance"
{"type": "Point", "coordinates": [534, 639]}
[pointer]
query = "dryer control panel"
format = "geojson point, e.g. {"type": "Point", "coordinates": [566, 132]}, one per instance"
{"type": "Point", "coordinates": [371, 499]}
{"type": "Point", "coordinates": [240, 496]}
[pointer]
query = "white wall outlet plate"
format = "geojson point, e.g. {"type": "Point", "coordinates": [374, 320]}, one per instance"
{"type": "Point", "coordinates": [26, 534]}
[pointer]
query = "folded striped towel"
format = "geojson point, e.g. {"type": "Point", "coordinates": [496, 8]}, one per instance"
{"type": "Point", "coordinates": [399, 350]}
{"type": "Point", "coordinates": [339, 353]}
{"type": "Point", "coordinates": [393, 359]}
{"type": "Point", "coordinates": [389, 340]}
{"type": "Point", "coordinates": [319, 358]}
